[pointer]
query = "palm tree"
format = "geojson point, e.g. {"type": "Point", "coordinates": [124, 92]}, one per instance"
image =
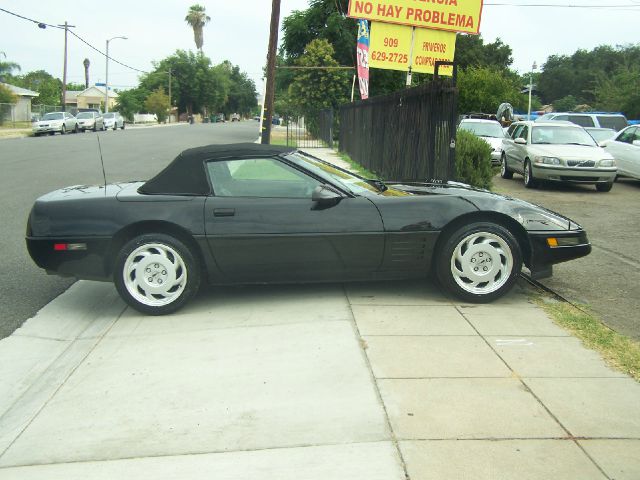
{"type": "Point", "coordinates": [197, 18]}
{"type": "Point", "coordinates": [86, 64]}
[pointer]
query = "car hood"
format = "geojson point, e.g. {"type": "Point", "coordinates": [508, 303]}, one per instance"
{"type": "Point", "coordinates": [531, 216]}
{"type": "Point", "coordinates": [572, 152]}
{"type": "Point", "coordinates": [495, 142]}
{"type": "Point", "coordinates": [47, 122]}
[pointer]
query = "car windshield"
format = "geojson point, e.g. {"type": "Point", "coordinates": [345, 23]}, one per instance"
{"type": "Point", "coordinates": [85, 115]}
{"type": "Point", "coordinates": [601, 135]}
{"type": "Point", "coordinates": [109, 115]}
{"type": "Point", "coordinates": [561, 135]}
{"type": "Point", "coordinates": [482, 129]}
{"type": "Point", "coordinates": [53, 116]}
{"type": "Point", "coordinates": [347, 180]}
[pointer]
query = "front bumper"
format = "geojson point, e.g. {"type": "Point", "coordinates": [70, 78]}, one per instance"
{"type": "Point", "coordinates": [47, 129]}
{"type": "Point", "coordinates": [571, 244]}
{"type": "Point", "coordinates": [574, 174]}
{"type": "Point", "coordinates": [86, 125]}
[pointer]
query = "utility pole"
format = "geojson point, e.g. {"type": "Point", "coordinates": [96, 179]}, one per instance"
{"type": "Point", "coordinates": [271, 72]}
{"type": "Point", "coordinates": [170, 105]}
{"type": "Point", "coordinates": [64, 71]}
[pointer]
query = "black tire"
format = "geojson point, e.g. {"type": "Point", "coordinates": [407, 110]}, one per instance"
{"type": "Point", "coordinates": [76, 129]}
{"type": "Point", "coordinates": [122, 126]}
{"type": "Point", "coordinates": [604, 187]}
{"type": "Point", "coordinates": [496, 251]}
{"type": "Point", "coordinates": [115, 126]}
{"type": "Point", "coordinates": [529, 180]}
{"type": "Point", "coordinates": [95, 126]}
{"type": "Point", "coordinates": [63, 129]}
{"type": "Point", "coordinates": [161, 281]}
{"type": "Point", "coordinates": [504, 171]}
{"type": "Point", "coordinates": [36, 134]}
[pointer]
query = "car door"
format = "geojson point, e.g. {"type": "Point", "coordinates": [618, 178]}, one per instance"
{"type": "Point", "coordinates": [623, 150]}
{"type": "Point", "coordinates": [508, 144]}
{"type": "Point", "coordinates": [262, 225]}
{"type": "Point", "coordinates": [519, 150]}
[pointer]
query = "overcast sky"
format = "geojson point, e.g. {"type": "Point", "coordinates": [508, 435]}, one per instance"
{"type": "Point", "coordinates": [239, 32]}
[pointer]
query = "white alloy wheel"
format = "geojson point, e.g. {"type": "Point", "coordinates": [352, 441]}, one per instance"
{"type": "Point", "coordinates": [154, 274]}
{"type": "Point", "coordinates": [481, 263]}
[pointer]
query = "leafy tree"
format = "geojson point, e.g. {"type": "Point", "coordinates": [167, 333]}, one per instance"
{"type": "Point", "coordinates": [7, 68]}
{"type": "Point", "coordinates": [471, 51]}
{"type": "Point", "coordinates": [131, 101]}
{"type": "Point", "coordinates": [565, 104]}
{"type": "Point", "coordinates": [158, 102]}
{"type": "Point", "coordinates": [241, 97]}
{"type": "Point", "coordinates": [316, 89]}
{"type": "Point", "coordinates": [7, 96]}
{"type": "Point", "coordinates": [483, 89]}
{"type": "Point", "coordinates": [197, 18]}
{"type": "Point", "coordinates": [619, 91]}
{"type": "Point", "coordinates": [76, 86]}
{"type": "Point", "coordinates": [49, 88]}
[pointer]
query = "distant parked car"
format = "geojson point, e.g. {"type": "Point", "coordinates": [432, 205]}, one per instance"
{"type": "Point", "coordinates": [490, 131]}
{"type": "Point", "coordinates": [90, 121]}
{"type": "Point", "coordinates": [625, 148]}
{"type": "Point", "coordinates": [113, 120]}
{"type": "Point", "coordinates": [615, 121]}
{"type": "Point", "coordinates": [53, 122]}
{"type": "Point", "coordinates": [235, 117]}
{"type": "Point", "coordinates": [558, 152]}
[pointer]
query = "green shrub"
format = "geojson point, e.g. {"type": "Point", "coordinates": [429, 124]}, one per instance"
{"type": "Point", "coordinates": [473, 160]}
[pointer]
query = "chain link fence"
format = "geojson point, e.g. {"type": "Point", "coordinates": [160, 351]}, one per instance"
{"type": "Point", "coordinates": [21, 114]}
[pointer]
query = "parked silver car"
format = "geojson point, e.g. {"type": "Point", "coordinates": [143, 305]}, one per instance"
{"type": "Point", "coordinates": [625, 148]}
{"type": "Point", "coordinates": [90, 121]}
{"type": "Point", "coordinates": [53, 122]}
{"type": "Point", "coordinates": [488, 130]}
{"type": "Point", "coordinates": [559, 152]}
{"type": "Point", "coordinates": [113, 120]}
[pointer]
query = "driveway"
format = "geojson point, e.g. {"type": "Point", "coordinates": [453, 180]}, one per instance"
{"type": "Point", "coordinates": [609, 279]}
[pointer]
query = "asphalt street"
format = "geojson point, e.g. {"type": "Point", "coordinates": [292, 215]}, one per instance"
{"type": "Point", "coordinates": [608, 280]}
{"type": "Point", "coordinates": [32, 167]}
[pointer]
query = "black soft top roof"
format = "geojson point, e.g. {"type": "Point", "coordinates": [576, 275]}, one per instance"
{"type": "Point", "coordinates": [185, 175]}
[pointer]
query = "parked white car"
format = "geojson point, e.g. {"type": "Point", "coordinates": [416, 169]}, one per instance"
{"type": "Point", "coordinates": [90, 121]}
{"type": "Point", "coordinates": [53, 122]}
{"type": "Point", "coordinates": [557, 152]}
{"type": "Point", "coordinates": [625, 148]}
{"type": "Point", "coordinates": [113, 120]}
{"type": "Point", "coordinates": [490, 131]}
{"type": "Point", "coordinates": [614, 121]}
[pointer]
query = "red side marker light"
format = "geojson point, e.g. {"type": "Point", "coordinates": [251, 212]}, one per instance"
{"type": "Point", "coordinates": [59, 246]}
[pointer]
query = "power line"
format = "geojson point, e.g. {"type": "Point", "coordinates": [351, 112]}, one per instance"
{"type": "Point", "coordinates": [631, 6]}
{"type": "Point", "coordinates": [61, 27]}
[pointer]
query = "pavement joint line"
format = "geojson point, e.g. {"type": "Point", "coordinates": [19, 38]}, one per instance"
{"type": "Point", "coordinates": [373, 378]}
{"type": "Point", "coordinates": [39, 337]}
{"type": "Point", "coordinates": [195, 454]}
{"type": "Point", "coordinates": [508, 439]}
{"type": "Point", "coordinates": [64, 381]}
{"type": "Point", "coordinates": [538, 399]}
{"type": "Point", "coordinates": [618, 256]}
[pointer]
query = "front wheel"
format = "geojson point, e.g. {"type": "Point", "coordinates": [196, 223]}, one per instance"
{"type": "Point", "coordinates": [604, 187]}
{"type": "Point", "coordinates": [76, 129]}
{"type": "Point", "coordinates": [63, 130]}
{"type": "Point", "coordinates": [156, 274]}
{"type": "Point", "coordinates": [479, 262]}
{"type": "Point", "coordinates": [529, 180]}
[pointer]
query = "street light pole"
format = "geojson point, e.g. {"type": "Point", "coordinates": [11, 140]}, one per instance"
{"type": "Point", "coordinates": [533, 67]}
{"type": "Point", "coordinates": [106, 76]}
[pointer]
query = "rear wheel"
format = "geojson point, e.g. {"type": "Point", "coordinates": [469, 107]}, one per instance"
{"type": "Point", "coordinates": [504, 171]}
{"type": "Point", "coordinates": [63, 129]}
{"type": "Point", "coordinates": [529, 181]}
{"type": "Point", "coordinates": [156, 274]}
{"type": "Point", "coordinates": [76, 129]}
{"type": "Point", "coordinates": [115, 126]}
{"type": "Point", "coordinates": [479, 262]}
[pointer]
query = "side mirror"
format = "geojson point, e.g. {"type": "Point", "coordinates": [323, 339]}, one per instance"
{"type": "Point", "coordinates": [520, 141]}
{"type": "Point", "coordinates": [603, 143]}
{"type": "Point", "coordinates": [323, 194]}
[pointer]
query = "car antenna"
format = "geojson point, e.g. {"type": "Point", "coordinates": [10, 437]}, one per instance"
{"type": "Point", "coordinates": [104, 175]}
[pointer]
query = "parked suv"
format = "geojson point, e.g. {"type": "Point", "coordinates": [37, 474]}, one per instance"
{"type": "Point", "coordinates": [53, 122]}
{"type": "Point", "coordinates": [113, 120]}
{"type": "Point", "coordinates": [614, 121]}
{"type": "Point", "coordinates": [558, 152]}
{"type": "Point", "coordinates": [90, 121]}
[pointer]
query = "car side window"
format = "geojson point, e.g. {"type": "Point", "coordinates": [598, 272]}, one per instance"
{"type": "Point", "coordinates": [516, 132]}
{"type": "Point", "coordinates": [510, 130]}
{"type": "Point", "coordinates": [582, 120]}
{"type": "Point", "coordinates": [627, 136]}
{"type": "Point", "coordinates": [523, 133]}
{"type": "Point", "coordinates": [259, 177]}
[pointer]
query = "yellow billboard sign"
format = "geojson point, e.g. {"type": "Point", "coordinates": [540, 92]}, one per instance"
{"type": "Point", "coordinates": [449, 15]}
{"type": "Point", "coordinates": [390, 48]}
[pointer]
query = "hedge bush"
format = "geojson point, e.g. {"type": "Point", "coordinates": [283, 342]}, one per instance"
{"type": "Point", "coordinates": [473, 160]}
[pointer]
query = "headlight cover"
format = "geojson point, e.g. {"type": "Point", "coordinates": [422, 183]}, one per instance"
{"type": "Point", "coordinates": [607, 162]}
{"type": "Point", "coordinates": [547, 160]}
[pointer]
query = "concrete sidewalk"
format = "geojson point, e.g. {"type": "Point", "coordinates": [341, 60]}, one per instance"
{"type": "Point", "coordinates": [362, 381]}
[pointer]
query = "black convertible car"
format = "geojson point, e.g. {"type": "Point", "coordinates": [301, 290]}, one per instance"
{"type": "Point", "coordinates": [246, 213]}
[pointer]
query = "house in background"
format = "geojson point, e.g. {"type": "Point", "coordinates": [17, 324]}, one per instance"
{"type": "Point", "coordinates": [92, 97]}
{"type": "Point", "coordinates": [21, 111]}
